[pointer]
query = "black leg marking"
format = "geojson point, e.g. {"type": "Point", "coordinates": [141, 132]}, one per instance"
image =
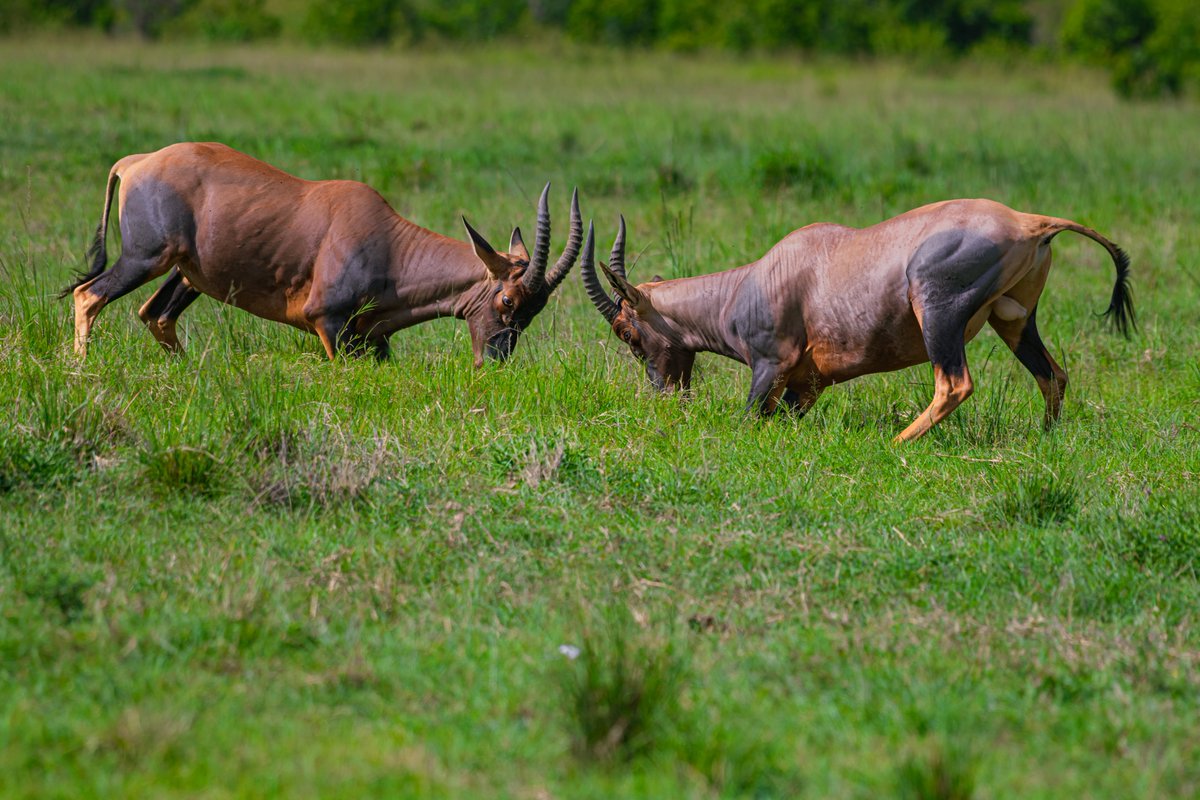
{"type": "Point", "coordinates": [381, 348]}
{"type": "Point", "coordinates": [800, 401]}
{"type": "Point", "coordinates": [339, 337]}
{"type": "Point", "coordinates": [1027, 346]}
{"type": "Point", "coordinates": [1031, 352]}
{"type": "Point", "coordinates": [172, 299]}
{"type": "Point", "coordinates": [125, 276]}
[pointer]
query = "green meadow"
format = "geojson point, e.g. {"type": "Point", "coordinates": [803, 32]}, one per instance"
{"type": "Point", "coordinates": [252, 572]}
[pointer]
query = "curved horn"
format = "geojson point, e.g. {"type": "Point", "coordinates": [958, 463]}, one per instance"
{"type": "Point", "coordinates": [616, 259]}
{"type": "Point", "coordinates": [587, 269]}
{"type": "Point", "coordinates": [571, 251]}
{"type": "Point", "coordinates": [630, 293]}
{"type": "Point", "coordinates": [541, 244]}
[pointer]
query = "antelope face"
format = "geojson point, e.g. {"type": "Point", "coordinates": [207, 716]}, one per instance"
{"type": "Point", "coordinates": [668, 366]}
{"type": "Point", "coordinates": [520, 285]}
{"type": "Point", "coordinates": [635, 321]}
{"type": "Point", "coordinates": [509, 309]}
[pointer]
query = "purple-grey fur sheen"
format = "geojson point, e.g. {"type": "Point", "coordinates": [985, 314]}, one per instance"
{"type": "Point", "coordinates": [830, 303]}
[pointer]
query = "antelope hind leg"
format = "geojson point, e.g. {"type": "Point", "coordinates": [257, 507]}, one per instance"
{"type": "Point", "coordinates": [1025, 342]}
{"type": "Point", "coordinates": [162, 310]}
{"type": "Point", "coordinates": [127, 274]}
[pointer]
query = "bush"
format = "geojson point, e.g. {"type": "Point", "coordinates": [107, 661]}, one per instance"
{"type": "Point", "coordinates": [474, 19]}
{"type": "Point", "coordinates": [150, 18]}
{"type": "Point", "coordinates": [355, 22]}
{"type": "Point", "coordinates": [230, 21]}
{"type": "Point", "coordinates": [620, 22]}
{"type": "Point", "coordinates": [1152, 47]}
{"type": "Point", "coordinates": [18, 14]}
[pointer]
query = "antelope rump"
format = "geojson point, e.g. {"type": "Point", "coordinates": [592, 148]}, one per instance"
{"type": "Point", "coordinates": [328, 257]}
{"type": "Point", "coordinates": [829, 303]}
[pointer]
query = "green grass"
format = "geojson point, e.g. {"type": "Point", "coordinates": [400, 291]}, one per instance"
{"type": "Point", "coordinates": [250, 572]}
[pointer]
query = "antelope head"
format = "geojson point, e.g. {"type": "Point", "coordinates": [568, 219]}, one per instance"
{"type": "Point", "coordinates": [519, 285]}
{"type": "Point", "coordinates": [651, 338]}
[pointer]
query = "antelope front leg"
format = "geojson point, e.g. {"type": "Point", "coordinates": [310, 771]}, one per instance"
{"type": "Point", "coordinates": [802, 394]}
{"type": "Point", "coordinates": [766, 385]}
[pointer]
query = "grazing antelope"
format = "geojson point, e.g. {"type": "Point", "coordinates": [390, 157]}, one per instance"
{"type": "Point", "coordinates": [830, 303]}
{"type": "Point", "coordinates": [329, 257]}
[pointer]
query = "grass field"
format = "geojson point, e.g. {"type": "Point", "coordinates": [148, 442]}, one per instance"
{"type": "Point", "coordinates": [250, 572]}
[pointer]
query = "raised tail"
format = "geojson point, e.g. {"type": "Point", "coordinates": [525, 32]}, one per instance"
{"type": "Point", "coordinates": [97, 254]}
{"type": "Point", "coordinates": [1120, 311]}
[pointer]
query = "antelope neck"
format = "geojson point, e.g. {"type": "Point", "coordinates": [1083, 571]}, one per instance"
{"type": "Point", "coordinates": [697, 310]}
{"type": "Point", "coordinates": [435, 275]}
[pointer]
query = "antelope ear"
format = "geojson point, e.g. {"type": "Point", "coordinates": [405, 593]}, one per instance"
{"type": "Point", "coordinates": [628, 292]}
{"type": "Point", "coordinates": [497, 265]}
{"type": "Point", "coordinates": [516, 246]}
{"type": "Point", "coordinates": [656, 279]}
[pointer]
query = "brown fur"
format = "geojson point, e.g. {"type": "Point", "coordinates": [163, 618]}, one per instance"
{"type": "Point", "coordinates": [831, 303]}
{"type": "Point", "coordinates": [328, 257]}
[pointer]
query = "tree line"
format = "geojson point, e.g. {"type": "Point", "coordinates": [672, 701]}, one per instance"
{"type": "Point", "coordinates": [1151, 47]}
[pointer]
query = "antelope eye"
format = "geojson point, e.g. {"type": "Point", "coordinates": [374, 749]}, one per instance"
{"type": "Point", "coordinates": [626, 335]}
{"type": "Point", "coordinates": [506, 300]}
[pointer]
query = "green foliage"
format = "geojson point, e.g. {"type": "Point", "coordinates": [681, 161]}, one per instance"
{"type": "Point", "coordinates": [1104, 28]}
{"type": "Point", "coordinates": [229, 21]}
{"type": "Point", "coordinates": [34, 462]}
{"type": "Point", "coordinates": [1151, 46]}
{"type": "Point", "coordinates": [61, 589]}
{"type": "Point", "coordinates": [150, 18]}
{"type": "Point", "coordinates": [354, 22]}
{"type": "Point", "coordinates": [807, 169]}
{"type": "Point", "coordinates": [21, 14]}
{"type": "Point", "coordinates": [614, 22]}
{"type": "Point", "coordinates": [187, 470]}
{"type": "Point", "coordinates": [474, 19]}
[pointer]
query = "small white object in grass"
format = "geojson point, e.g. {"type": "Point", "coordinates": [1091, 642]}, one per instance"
{"type": "Point", "coordinates": [569, 650]}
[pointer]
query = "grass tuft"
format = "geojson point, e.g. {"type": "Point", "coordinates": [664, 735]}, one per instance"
{"type": "Point", "coordinates": [60, 589]}
{"type": "Point", "coordinates": [937, 772]}
{"type": "Point", "coordinates": [27, 461]}
{"type": "Point", "coordinates": [621, 693]}
{"type": "Point", "coordinates": [181, 469]}
{"type": "Point", "coordinates": [1038, 497]}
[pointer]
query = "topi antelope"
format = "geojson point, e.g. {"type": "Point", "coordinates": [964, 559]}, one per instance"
{"type": "Point", "coordinates": [830, 303]}
{"type": "Point", "coordinates": [329, 257]}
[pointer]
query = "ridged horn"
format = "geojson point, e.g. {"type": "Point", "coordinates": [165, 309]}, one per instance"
{"type": "Point", "coordinates": [571, 251]}
{"type": "Point", "coordinates": [536, 273]}
{"type": "Point", "coordinates": [616, 259]}
{"type": "Point", "coordinates": [630, 293]}
{"type": "Point", "coordinates": [591, 282]}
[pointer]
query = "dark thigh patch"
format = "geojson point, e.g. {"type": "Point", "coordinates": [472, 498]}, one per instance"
{"type": "Point", "coordinates": [951, 276]}
{"type": "Point", "coordinates": [155, 215]}
{"type": "Point", "coordinates": [954, 269]}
